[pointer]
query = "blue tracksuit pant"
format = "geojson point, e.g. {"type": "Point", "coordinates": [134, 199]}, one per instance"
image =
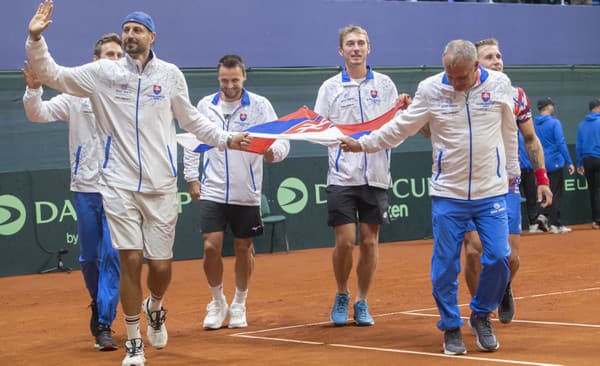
{"type": "Point", "coordinates": [99, 260]}
{"type": "Point", "coordinates": [450, 218]}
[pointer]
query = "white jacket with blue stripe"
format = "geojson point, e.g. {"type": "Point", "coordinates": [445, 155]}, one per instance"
{"type": "Point", "coordinates": [473, 135]}
{"type": "Point", "coordinates": [84, 144]}
{"type": "Point", "coordinates": [230, 176]}
{"type": "Point", "coordinates": [345, 101]}
{"type": "Point", "coordinates": [136, 108]}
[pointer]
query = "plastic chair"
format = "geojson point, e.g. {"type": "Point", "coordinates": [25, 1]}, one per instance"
{"type": "Point", "coordinates": [273, 220]}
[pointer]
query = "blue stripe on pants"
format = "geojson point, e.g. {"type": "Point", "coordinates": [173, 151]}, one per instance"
{"type": "Point", "coordinates": [450, 218]}
{"type": "Point", "coordinates": [99, 260]}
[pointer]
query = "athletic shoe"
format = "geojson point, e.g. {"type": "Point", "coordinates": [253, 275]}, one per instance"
{"type": "Point", "coordinates": [482, 328]}
{"type": "Point", "coordinates": [104, 339]}
{"type": "Point", "coordinates": [453, 344]}
{"type": "Point", "coordinates": [339, 312]}
{"type": "Point", "coordinates": [237, 316]}
{"type": "Point", "coordinates": [361, 313]}
{"type": "Point", "coordinates": [595, 225]}
{"type": "Point", "coordinates": [94, 323]}
{"type": "Point", "coordinates": [156, 331]}
{"type": "Point", "coordinates": [134, 353]}
{"type": "Point", "coordinates": [506, 310]}
{"type": "Point", "coordinates": [534, 228]}
{"type": "Point", "coordinates": [216, 313]}
{"type": "Point", "coordinates": [542, 222]}
{"type": "Point", "coordinates": [559, 229]}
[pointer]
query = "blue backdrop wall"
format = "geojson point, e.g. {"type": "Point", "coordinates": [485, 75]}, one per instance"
{"type": "Point", "coordinates": [194, 33]}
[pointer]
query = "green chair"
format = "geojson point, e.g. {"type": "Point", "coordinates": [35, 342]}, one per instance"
{"type": "Point", "coordinates": [273, 220]}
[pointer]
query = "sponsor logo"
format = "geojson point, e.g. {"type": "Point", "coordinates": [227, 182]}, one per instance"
{"type": "Point", "coordinates": [12, 214]}
{"type": "Point", "coordinates": [292, 195]}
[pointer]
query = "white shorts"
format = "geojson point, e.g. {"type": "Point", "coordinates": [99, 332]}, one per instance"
{"type": "Point", "coordinates": [141, 221]}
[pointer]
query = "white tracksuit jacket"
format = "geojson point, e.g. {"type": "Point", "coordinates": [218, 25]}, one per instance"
{"type": "Point", "coordinates": [229, 176]}
{"type": "Point", "coordinates": [344, 101]}
{"type": "Point", "coordinates": [84, 144]}
{"type": "Point", "coordinates": [135, 112]}
{"type": "Point", "coordinates": [473, 135]}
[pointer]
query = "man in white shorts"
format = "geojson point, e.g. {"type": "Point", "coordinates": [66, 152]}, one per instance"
{"type": "Point", "coordinates": [136, 101]}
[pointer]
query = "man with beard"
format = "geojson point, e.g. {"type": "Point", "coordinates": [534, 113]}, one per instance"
{"type": "Point", "coordinates": [136, 101]}
{"type": "Point", "coordinates": [230, 193]}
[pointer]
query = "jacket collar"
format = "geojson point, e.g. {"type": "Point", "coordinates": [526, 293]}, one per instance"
{"type": "Point", "coordinates": [245, 101]}
{"type": "Point", "coordinates": [346, 78]}
{"type": "Point", "coordinates": [483, 75]}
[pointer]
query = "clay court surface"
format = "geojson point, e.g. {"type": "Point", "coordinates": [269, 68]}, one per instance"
{"type": "Point", "coordinates": [44, 318]}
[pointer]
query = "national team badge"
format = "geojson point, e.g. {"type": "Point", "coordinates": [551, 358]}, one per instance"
{"type": "Point", "coordinates": [485, 96]}
{"type": "Point", "coordinates": [157, 89]}
{"type": "Point", "coordinates": [373, 93]}
{"type": "Point", "coordinates": [243, 116]}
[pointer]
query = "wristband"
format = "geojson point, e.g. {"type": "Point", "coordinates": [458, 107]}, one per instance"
{"type": "Point", "coordinates": [542, 177]}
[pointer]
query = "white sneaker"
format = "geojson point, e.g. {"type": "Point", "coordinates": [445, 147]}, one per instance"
{"type": "Point", "coordinates": [237, 316]}
{"type": "Point", "coordinates": [134, 353]}
{"type": "Point", "coordinates": [534, 229]}
{"type": "Point", "coordinates": [156, 331]}
{"type": "Point", "coordinates": [559, 229]}
{"type": "Point", "coordinates": [216, 313]}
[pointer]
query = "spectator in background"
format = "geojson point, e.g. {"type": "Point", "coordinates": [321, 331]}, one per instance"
{"type": "Point", "coordinates": [556, 154]}
{"type": "Point", "coordinates": [587, 154]}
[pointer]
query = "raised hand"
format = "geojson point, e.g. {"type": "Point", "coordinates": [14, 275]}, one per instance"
{"type": "Point", "coordinates": [41, 20]}
{"type": "Point", "coordinates": [31, 78]}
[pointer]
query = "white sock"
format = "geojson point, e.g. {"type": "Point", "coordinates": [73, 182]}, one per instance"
{"type": "Point", "coordinates": [217, 292]}
{"type": "Point", "coordinates": [132, 324]}
{"type": "Point", "coordinates": [155, 303]}
{"type": "Point", "coordinates": [240, 296]}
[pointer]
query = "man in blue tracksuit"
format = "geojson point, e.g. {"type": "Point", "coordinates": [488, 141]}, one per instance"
{"type": "Point", "coordinates": [549, 131]}
{"type": "Point", "coordinates": [587, 153]}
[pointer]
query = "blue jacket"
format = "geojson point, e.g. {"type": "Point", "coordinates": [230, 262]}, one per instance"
{"type": "Point", "coordinates": [549, 131]}
{"type": "Point", "coordinates": [524, 161]}
{"type": "Point", "coordinates": [588, 138]}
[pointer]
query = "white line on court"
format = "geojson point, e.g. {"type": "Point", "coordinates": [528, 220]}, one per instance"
{"type": "Point", "coordinates": [418, 312]}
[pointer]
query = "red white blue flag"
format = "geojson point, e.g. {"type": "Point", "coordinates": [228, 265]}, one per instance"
{"type": "Point", "coordinates": [303, 124]}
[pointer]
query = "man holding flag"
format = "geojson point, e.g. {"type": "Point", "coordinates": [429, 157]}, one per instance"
{"type": "Point", "coordinates": [357, 184]}
{"type": "Point", "coordinates": [230, 191]}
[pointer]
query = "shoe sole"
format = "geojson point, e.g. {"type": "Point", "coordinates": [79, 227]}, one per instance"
{"type": "Point", "coordinates": [446, 352]}
{"type": "Point", "coordinates": [105, 348]}
{"type": "Point", "coordinates": [234, 326]}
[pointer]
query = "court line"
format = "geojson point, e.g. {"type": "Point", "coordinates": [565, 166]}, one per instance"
{"type": "Point", "coordinates": [419, 312]}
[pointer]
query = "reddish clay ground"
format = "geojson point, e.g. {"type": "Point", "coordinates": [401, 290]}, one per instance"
{"type": "Point", "coordinates": [44, 318]}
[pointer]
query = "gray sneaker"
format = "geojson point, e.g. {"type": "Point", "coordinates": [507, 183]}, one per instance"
{"type": "Point", "coordinates": [482, 328]}
{"type": "Point", "coordinates": [453, 344]}
{"type": "Point", "coordinates": [506, 310]}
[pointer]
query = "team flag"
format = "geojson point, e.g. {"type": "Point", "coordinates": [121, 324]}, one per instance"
{"type": "Point", "coordinates": [303, 124]}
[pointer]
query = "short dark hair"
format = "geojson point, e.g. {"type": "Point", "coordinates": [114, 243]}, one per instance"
{"type": "Point", "coordinates": [231, 61]}
{"type": "Point", "coordinates": [594, 103]}
{"type": "Point", "coordinates": [107, 38]}
{"type": "Point", "coordinates": [543, 103]}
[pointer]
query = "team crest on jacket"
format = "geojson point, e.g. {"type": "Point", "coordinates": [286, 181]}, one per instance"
{"type": "Point", "coordinates": [373, 93]}
{"type": "Point", "coordinates": [243, 117]}
{"type": "Point", "coordinates": [157, 89]}
{"type": "Point", "coordinates": [485, 96]}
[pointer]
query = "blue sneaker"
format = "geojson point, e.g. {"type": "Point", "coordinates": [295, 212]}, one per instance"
{"type": "Point", "coordinates": [361, 313]}
{"type": "Point", "coordinates": [339, 313]}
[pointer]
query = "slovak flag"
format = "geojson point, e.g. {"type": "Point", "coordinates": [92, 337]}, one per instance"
{"type": "Point", "coordinates": [303, 124]}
